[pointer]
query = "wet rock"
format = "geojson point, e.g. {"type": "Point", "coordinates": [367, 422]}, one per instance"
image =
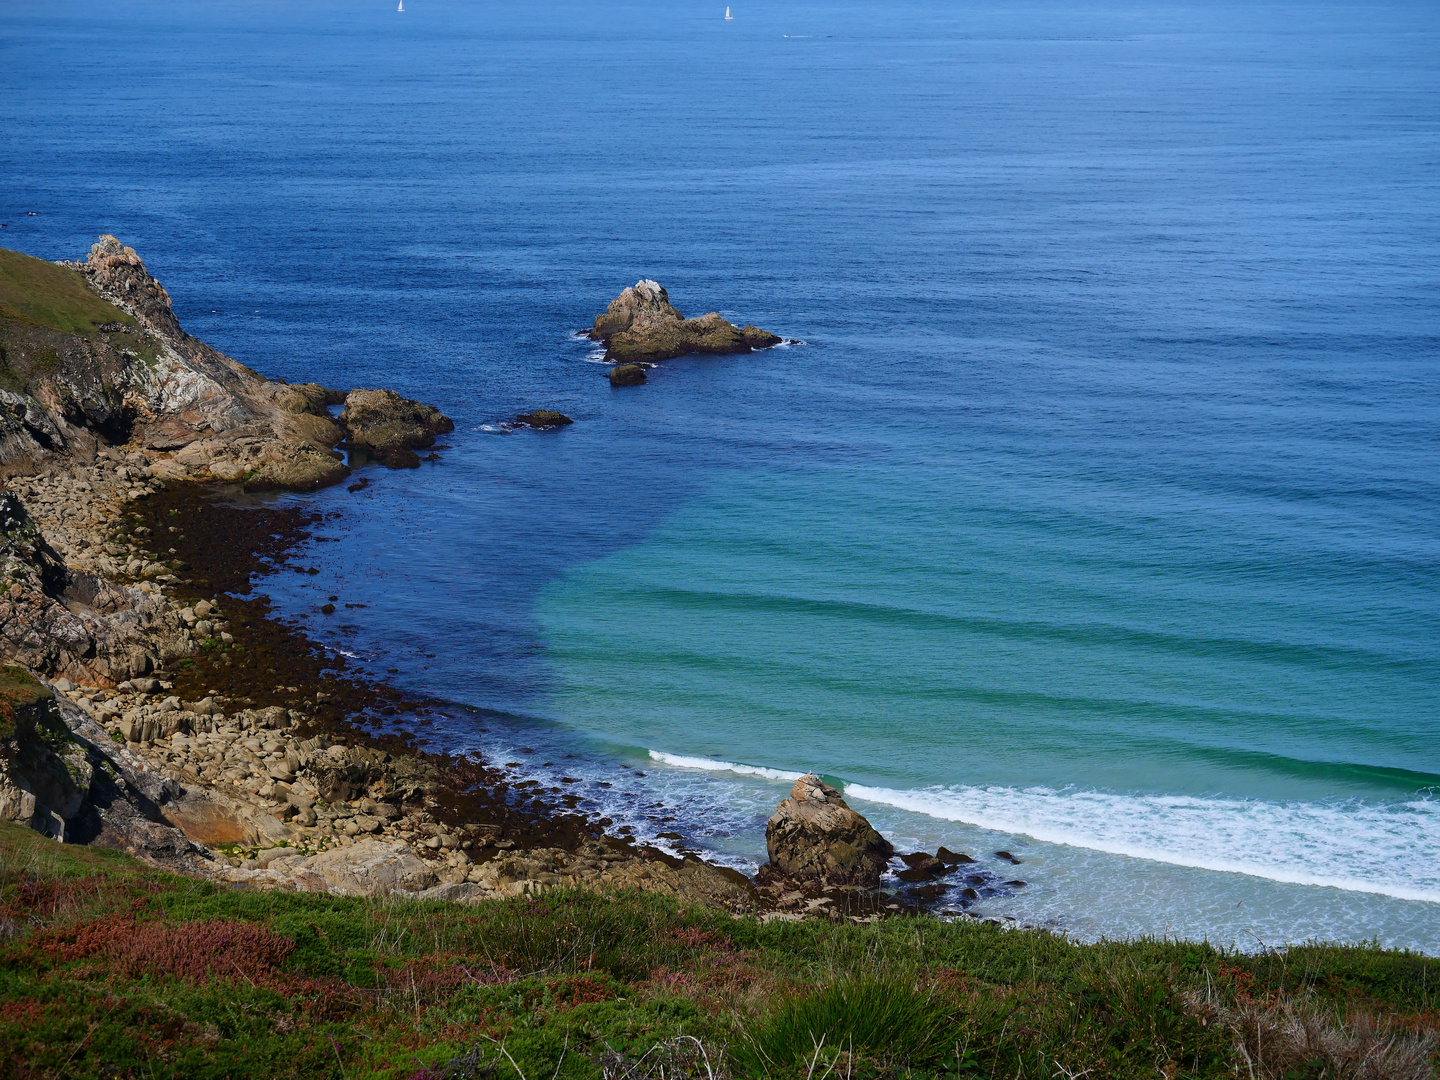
{"type": "Point", "coordinates": [627, 375]}
{"type": "Point", "coordinates": [1007, 857]}
{"type": "Point", "coordinates": [815, 836]}
{"type": "Point", "coordinates": [952, 858]}
{"type": "Point", "coordinates": [543, 418]}
{"type": "Point", "coordinates": [641, 325]}
{"type": "Point", "coordinates": [391, 427]}
{"type": "Point", "coordinates": [925, 863]}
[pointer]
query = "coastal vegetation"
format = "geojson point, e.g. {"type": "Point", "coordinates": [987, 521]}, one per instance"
{"type": "Point", "coordinates": [109, 968]}
{"type": "Point", "coordinates": [53, 296]}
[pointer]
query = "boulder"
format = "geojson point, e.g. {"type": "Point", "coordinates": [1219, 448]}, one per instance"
{"type": "Point", "coordinates": [391, 427]}
{"type": "Point", "coordinates": [924, 863]}
{"type": "Point", "coordinates": [372, 867]}
{"type": "Point", "coordinates": [642, 326]}
{"type": "Point", "coordinates": [814, 836]}
{"type": "Point", "coordinates": [627, 375]}
{"type": "Point", "coordinates": [543, 418]}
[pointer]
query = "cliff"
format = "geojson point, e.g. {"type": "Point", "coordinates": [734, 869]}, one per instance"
{"type": "Point", "coordinates": [92, 356]}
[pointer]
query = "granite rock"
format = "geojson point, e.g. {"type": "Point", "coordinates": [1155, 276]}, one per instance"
{"type": "Point", "coordinates": [642, 326]}
{"type": "Point", "coordinates": [815, 837]}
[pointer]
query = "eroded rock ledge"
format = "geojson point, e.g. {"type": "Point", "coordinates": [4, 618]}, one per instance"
{"type": "Point", "coordinates": [641, 326]}
{"type": "Point", "coordinates": [93, 356]}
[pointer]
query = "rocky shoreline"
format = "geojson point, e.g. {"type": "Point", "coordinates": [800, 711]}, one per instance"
{"type": "Point", "coordinates": [182, 721]}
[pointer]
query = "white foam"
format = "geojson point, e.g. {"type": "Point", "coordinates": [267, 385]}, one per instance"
{"type": "Point", "coordinates": [681, 762]}
{"type": "Point", "coordinates": [1390, 850]}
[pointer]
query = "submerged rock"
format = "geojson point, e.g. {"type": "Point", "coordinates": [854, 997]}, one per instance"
{"type": "Point", "coordinates": [627, 375]}
{"type": "Point", "coordinates": [543, 418]}
{"type": "Point", "coordinates": [814, 836]}
{"type": "Point", "coordinates": [642, 326]}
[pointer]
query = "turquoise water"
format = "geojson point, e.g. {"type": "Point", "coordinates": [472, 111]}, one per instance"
{"type": "Point", "coordinates": [1097, 518]}
{"type": "Point", "coordinates": [1077, 665]}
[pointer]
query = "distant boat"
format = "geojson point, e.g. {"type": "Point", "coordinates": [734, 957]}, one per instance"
{"type": "Point", "coordinates": [402, 6]}
{"type": "Point", "coordinates": [728, 17]}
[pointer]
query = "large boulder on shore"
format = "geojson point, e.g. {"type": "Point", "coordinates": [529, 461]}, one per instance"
{"type": "Point", "coordinates": [815, 837]}
{"type": "Point", "coordinates": [642, 326]}
{"type": "Point", "coordinates": [390, 426]}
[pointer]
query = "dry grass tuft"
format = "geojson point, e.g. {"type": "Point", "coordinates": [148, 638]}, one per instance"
{"type": "Point", "coordinates": [1290, 1039]}
{"type": "Point", "coordinates": [682, 1058]}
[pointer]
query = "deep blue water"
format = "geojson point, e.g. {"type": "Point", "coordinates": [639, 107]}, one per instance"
{"type": "Point", "coordinates": [1094, 518]}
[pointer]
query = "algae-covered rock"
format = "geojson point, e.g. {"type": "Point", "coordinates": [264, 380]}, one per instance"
{"type": "Point", "coordinates": [627, 375]}
{"type": "Point", "coordinates": [390, 426]}
{"type": "Point", "coordinates": [543, 418]}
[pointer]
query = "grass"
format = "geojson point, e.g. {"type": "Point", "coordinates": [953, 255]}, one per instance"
{"type": "Point", "coordinates": [109, 969]}
{"type": "Point", "coordinates": [18, 690]}
{"type": "Point", "coordinates": [35, 291]}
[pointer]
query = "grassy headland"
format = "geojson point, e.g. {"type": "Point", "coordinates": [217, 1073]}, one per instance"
{"type": "Point", "coordinates": [111, 969]}
{"type": "Point", "coordinates": [52, 296]}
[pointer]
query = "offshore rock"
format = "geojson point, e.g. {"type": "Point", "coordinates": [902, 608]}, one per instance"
{"type": "Point", "coordinates": [814, 836]}
{"type": "Point", "coordinates": [543, 418]}
{"type": "Point", "coordinates": [390, 426]}
{"type": "Point", "coordinates": [642, 326]}
{"type": "Point", "coordinates": [627, 375]}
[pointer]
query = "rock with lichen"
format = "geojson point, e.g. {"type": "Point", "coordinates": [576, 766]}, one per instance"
{"type": "Point", "coordinates": [815, 837]}
{"type": "Point", "coordinates": [642, 326]}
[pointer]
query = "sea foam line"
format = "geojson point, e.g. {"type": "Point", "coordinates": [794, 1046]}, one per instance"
{"type": "Point", "coordinates": [706, 764]}
{"type": "Point", "coordinates": [1387, 850]}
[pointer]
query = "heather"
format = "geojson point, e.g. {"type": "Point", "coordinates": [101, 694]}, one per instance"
{"type": "Point", "coordinates": [111, 969]}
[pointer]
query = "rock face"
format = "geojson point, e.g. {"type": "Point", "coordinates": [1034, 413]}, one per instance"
{"type": "Point", "coordinates": [369, 867]}
{"type": "Point", "coordinates": [63, 776]}
{"type": "Point", "coordinates": [815, 837]}
{"type": "Point", "coordinates": [94, 356]}
{"type": "Point", "coordinates": [641, 326]}
{"type": "Point", "coordinates": [391, 427]}
{"type": "Point", "coordinates": [58, 620]}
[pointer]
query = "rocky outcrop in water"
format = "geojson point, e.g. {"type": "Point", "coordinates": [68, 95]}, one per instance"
{"type": "Point", "coordinates": [814, 836]}
{"type": "Point", "coordinates": [391, 427]}
{"type": "Point", "coordinates": [628, 375]}
{"type": "Point", "coordinates": [641, 326]}
{"type": "Point", "coordinates": [543, 418]}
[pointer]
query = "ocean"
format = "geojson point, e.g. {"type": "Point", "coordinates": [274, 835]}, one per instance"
{"type": "Point", "coordinates": [1094, 514]}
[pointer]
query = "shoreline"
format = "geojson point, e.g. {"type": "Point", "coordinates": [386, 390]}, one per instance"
{"type": "Point", "coordinates": [181, 700]}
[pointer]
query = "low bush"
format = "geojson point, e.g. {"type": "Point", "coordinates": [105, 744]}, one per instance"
{"type": "Point", "coordinates": [111, 970]}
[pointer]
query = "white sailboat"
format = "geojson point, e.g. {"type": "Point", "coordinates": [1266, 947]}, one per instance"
{"type": "Point", "coordinates": [402, 6]}
{"type": "Point", "coordinates": [728, 17]}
